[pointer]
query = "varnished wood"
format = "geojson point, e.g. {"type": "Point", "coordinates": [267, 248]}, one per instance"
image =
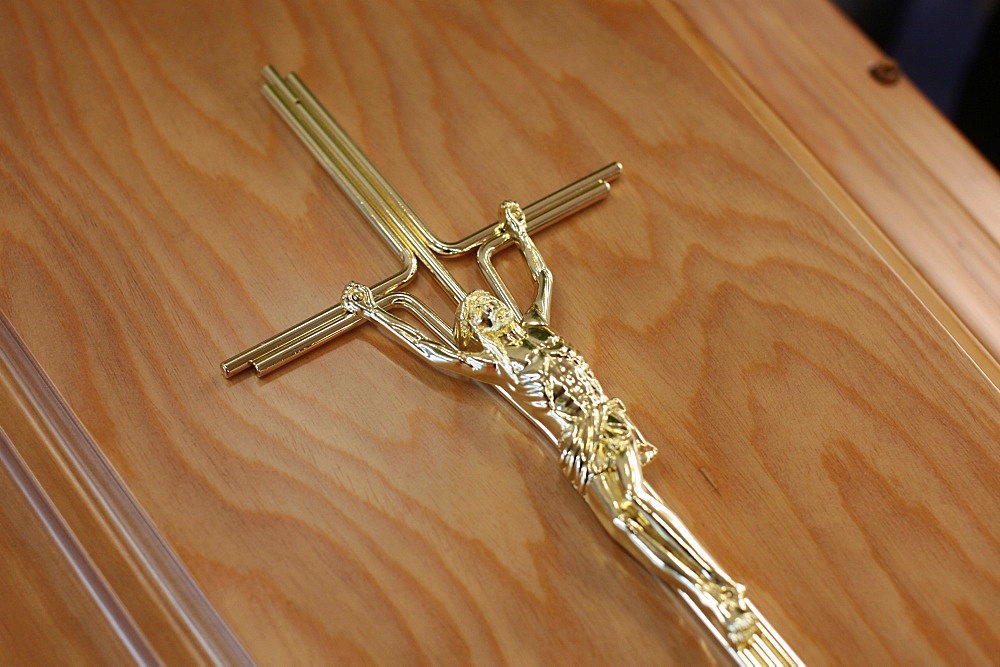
{"type": "Point", "coordinates": [51, 611]}
{"type": "Point", "coordinates": [105, 540]}
{"type": "Point", "coordinates": [819, 430]}
{"type": "Point", "coordinates": [901, 162]}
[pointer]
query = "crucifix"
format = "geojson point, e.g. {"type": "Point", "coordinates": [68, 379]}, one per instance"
{"type": "Point", "coordinates": [601, 451]}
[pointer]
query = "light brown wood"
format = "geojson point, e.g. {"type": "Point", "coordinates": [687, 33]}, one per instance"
{"type": "Point", "coordinates": [105, 541]}
{"type": "Point", "coordinates": [819, 430]}
{"type": "Point", "coordinates": [48, 610]}
{"type": "Point", "coordinates": [901, 162]}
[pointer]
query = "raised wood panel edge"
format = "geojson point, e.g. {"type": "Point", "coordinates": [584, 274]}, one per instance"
{"type": "Point", "coordinates": [926, 287]}
{"type": "Point", "coordinates": [156, 608]}
{"type": "Point", "coordinates": [60, 597]}
{"type": "Point", "coordinates": [903, 110]}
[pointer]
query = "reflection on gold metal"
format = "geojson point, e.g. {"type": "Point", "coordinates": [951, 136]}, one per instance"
{"type": "Point", "coordinates": [601, 452]}
{"type": "Point", "coordinates": [392, 218]}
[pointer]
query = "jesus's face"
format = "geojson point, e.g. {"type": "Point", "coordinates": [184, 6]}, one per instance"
{"type": "Point", "coordinates": [487, 318]}
{"type": "Point", "coordinates": [492, 317]}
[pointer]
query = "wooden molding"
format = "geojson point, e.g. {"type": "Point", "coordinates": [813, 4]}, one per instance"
{"type": "Point", "coordinates": [152, 610]}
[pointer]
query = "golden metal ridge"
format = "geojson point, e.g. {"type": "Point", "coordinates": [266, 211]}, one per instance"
{"type": "Point", "coordinates": [601, 451]}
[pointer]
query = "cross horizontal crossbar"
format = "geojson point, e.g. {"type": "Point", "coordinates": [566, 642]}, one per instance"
{"type": "Point", "coordinates": [407, 235]}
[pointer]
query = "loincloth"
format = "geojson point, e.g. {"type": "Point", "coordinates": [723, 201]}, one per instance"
{"type": "Point", "coordinates": [597, 439]}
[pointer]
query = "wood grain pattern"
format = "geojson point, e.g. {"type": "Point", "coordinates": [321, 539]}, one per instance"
{"type": "Point", "coordinates": [824, 436]}
{"type": "Point", "coordinates": [904, 165]}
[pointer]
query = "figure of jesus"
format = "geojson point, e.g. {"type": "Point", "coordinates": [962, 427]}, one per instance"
{"type": "Point", "coordinates": [601, 451]}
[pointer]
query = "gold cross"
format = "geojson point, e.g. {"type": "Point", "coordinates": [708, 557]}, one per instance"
{"type": "Point", "coordinates": [601, 451]}
{"type": "Point", "coordinates": [392, 218]}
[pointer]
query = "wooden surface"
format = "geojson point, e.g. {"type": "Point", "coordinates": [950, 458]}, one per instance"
{"type": "Point", "coordinates": [820, 430]}
{"type": "Point", "coordinates": [900, 164]}
{"type": "Point", "coordinates": [98, 538]}
{"type": "Point", "coordinates": [46, 602]}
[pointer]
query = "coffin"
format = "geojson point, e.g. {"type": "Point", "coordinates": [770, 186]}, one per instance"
{"type": "Point", "coordinates": [793, 286]}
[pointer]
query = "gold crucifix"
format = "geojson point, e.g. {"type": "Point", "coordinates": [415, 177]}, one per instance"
{"type": "Point", "coordinates": [601, 451]}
